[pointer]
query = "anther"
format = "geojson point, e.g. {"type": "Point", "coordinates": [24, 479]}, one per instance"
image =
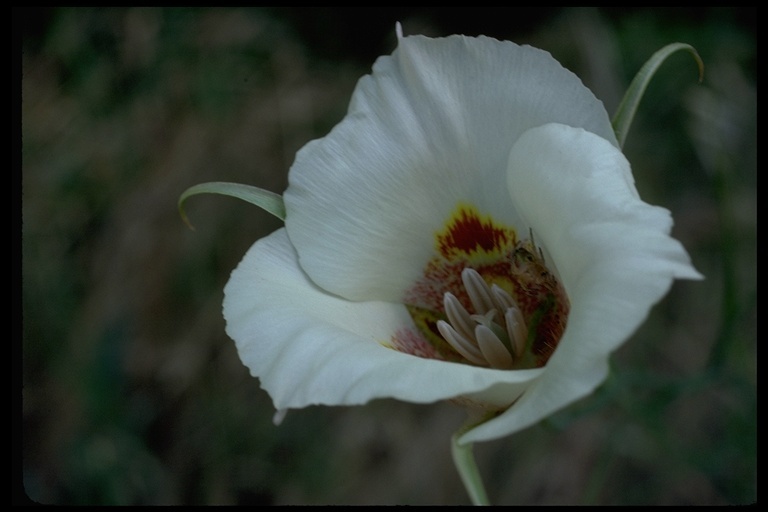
{"type": "Point", "coordinates": [495, 334]}
{"type": "Point", "coordinates": [516, 330]}
{"type": "Point", "coordinates": [478, 290]}
{"type": "Point", "coordinates": [492, 348]}
{"type": "Point", "coordinates": [462, 345]}
{"type": "Point", "coordinates": [458, 316]}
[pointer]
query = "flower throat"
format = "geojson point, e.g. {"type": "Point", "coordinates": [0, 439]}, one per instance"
{"type": "Point", "coordinates": [487, 299]}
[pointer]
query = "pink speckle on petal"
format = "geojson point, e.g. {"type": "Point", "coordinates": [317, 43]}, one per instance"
{"type": "Point", "coordinates": [412, 342]}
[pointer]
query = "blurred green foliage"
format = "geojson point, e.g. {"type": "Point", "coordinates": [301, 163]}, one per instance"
{"type": "Point", "coordinates": [133, 394]}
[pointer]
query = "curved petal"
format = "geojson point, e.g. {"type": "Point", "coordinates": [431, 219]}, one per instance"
{"type": "Point", "coordinates": [308, 347]}
{"type": "Point", "coordinates": [612, 250]}
{"type": "Point", "coordinates": [431, 127]}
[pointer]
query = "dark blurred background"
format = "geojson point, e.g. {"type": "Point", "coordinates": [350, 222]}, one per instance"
{"type": "Point", "coordinates": [132, 392]}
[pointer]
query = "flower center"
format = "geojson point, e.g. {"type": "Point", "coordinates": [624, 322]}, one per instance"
{"type": "Point", "coordinates": [479, 338]}
{"type": "Point", "coordinates": [486, 299]}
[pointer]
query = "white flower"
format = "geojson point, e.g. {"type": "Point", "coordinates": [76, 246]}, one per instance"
{"type": "Point", "coordinates": [457, 153]}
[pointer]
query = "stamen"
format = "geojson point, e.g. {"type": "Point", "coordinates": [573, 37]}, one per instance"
{"type": "Point", "coordinates": [504, 300]}
{"type": "Point", "coordinates": [458, 317]}
{"type": "Point", "coordinates": [516, 330]}
{"type": "Point", "coordinates": [481, 338]}
{"type": "Point", "coordinates": [478, 290]}
{"type": "Point", "coordinates": [492, 348]}
{"type": "Point", "coordinates": [485, 319]}
{"type": "Point", "coordinates": [462, 345]}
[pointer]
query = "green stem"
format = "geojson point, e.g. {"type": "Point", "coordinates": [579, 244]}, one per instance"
{"type": "Point", "coordinates": [464, 459]}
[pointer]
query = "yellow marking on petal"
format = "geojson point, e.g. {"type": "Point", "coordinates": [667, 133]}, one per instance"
{"type": "Point", "coordinates": [426, 322]}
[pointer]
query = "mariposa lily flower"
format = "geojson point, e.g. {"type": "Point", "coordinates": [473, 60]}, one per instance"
{"type": "Point", "coordinates": [469, 232]}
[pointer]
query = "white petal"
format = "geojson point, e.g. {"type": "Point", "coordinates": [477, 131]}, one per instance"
{"type": "Point", "coordinates": [431, 127]}
{"type": "Point", "coordinates": [613, 253]}
{"type": "Point", "coordinates": [308, 347]}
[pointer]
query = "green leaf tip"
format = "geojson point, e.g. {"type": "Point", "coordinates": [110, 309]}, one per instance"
{"type": "Point", "coordinates": [622, 120]}
{"type": "Point", "coordinates": [264, 199]}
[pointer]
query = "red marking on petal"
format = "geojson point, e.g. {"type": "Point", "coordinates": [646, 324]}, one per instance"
{"type": "Point", "coordinates": [468, 233]}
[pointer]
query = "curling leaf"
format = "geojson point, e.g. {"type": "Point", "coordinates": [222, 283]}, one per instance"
{"type": "Point", "coordinates": [268, 201]}
{"type": "Point", "coordinates": [622, 120]}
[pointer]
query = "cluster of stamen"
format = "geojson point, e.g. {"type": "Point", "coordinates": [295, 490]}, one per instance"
{"type": "Point", "coordinates": [495, 335]}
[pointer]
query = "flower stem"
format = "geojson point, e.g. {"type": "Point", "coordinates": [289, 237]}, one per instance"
{"type": "Point", "coordinates": [464, 460]}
